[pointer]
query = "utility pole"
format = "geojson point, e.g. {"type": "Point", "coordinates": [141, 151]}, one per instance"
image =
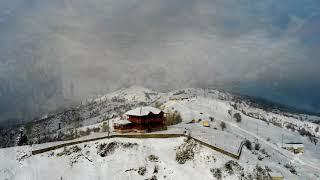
{"type": "Point", "coordinates": [257, 132]}
{"type": "Point", "coordinates": [108, 126]}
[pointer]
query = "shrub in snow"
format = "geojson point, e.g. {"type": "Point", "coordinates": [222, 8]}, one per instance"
{"type": "Point", "coordinates": [228, 168]}
{"type": "Point", "coordinates": [257, 146]}
{"type": "Point", "coordinates": [216, 172]}
{"type": "Point", "coordinates": [211, 119]}
{"type": "Point", "coordinates": [51, 154]}
{"type": "Point", "coordinates": [129, 145]}
{"type": "Point", "coordinates": [142, 171]}
{"type": "Point", "coordinates": [156, 169]}
{"type": "Point", "coordinates": [68, 151]}
{"type": "Point", "coordinates": [153, 158]}
{"type": "Point", "coordinates": [268, 169]}
{"type": "Point", "coordinates": [223, 125]}
{"type": "Point", "coordinates": [304, 132]}
{"type": "Point", "coordinates": [237, 116]}
{"type": "Point", "coordinates": [75, 149]}
{"type": "Point", "coordinates": [106, 149]}
{"type": "Point", "coordinates": [173, 118]}
{"type": "Point", "coordinates": [260, 173]}
{"type": "Point", "coordinates": [154, 177]}
{"type": "Point", "coordinates": [317, 129]}
{"type": "Point", "coordinates": [313, 140]}
{"type": "Point", "coordinates": [248, 144]}
{"type": "Point", "coordinates": [232, 167]}
{"type": "Point", "coordinates": [290, 126]}
{"type": "Point", "coordinates": [291, 168]}
{"type": "Point", "coordinates": [22, 138]}
{"type": "Point", "coordinates": [185, 152]}
{"type": "Point", "coordinates": [235, 106]}
{"type": "Point", "coordinates": [274, 122]}
{"type": "Point", "coordinates": [104, 127]}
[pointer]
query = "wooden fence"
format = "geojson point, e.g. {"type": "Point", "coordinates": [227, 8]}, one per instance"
{"type": "Point", "coordinates": [143, 136]}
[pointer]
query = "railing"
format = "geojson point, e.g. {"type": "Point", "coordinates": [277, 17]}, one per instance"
{"type": "Point", "coordinates": [144, 136]}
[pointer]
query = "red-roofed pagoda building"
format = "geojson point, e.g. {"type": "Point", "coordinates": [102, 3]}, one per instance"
{"type": "Point", "coordinates": [142, 120]}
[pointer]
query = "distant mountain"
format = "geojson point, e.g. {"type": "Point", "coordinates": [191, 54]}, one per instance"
{"type": "Point", "coordinates": [53, 125]}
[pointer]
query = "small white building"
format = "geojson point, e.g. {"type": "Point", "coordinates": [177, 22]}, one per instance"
{"type": "Point", "coordinates": [276, 176]}
{"type": "Point", "coordinates": [294, 147]}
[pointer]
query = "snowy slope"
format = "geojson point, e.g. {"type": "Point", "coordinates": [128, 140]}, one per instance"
{"type": "Point", "coordinates": [262, 126]}
{"type": "Point", "coordinates": [266, 134]}
{"type": "Point", "coordinates": [120, 164]}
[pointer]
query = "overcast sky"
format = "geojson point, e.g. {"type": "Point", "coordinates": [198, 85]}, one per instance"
{"type": "Point", "coordinates": [268, 48]}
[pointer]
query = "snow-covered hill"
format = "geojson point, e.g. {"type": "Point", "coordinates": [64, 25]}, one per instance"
{"type": "Point", "coordinates": [266, 127]}
{"type": "Point", "coordinates": [124, 159]}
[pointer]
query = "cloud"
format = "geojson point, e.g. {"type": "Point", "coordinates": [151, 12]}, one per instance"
{"type": "Point", "coordinates": [100, 45]}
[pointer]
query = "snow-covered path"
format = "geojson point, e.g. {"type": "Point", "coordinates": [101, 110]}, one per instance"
{"type": "Point", "coordinates": [208, 109]}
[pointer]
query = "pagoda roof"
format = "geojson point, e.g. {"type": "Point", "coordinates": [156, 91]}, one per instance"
{"type": "Point", "coordinates": [143, 111]}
